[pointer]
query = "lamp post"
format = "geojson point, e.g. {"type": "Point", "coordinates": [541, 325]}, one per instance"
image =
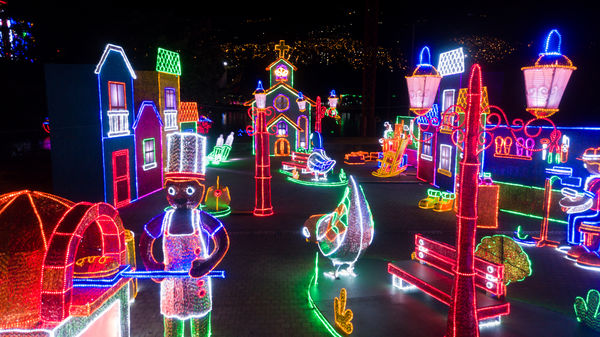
{"type": "Point", "coordinates": [545, 83]}
{"type": "Point", "coordinates": [321, 111]}
{"type": "Point", "coordinates": [262, 175]}
{"type": "Point", "coordinates": [462, 317]}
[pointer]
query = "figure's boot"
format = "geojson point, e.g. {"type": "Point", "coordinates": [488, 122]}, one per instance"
{"type": "Point", "coordinates": [433, 196]}
{"type": "Point", "coordinates": [173, 327]}
{"type": "Point", "coordinates": [446, 203]}
{"type": "Point", "coordinates": [201, 326]}
{"type": "Point", "coordinates": [590, 259]}
{"type": "Point", "coordinates": [576, 251]}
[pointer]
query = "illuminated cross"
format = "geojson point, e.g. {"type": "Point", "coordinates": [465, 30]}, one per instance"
{"type": "Point", "coordinates": [282, 48]}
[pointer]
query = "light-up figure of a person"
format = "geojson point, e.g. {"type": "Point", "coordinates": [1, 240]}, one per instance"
{"type": "Point", "coordinates": [192, 240]}
{"type": "Point", "coordinates": [584, 207]}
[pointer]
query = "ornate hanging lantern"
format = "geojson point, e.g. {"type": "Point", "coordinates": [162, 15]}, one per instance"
{"type": "Point", "coordinates": [301, 101]}
{"type": "Point", "coordinates": [260, 96]}
{"type": "Point", "coordinates": [545, 82]}
{"type": "Point", "coordinates": [423, 85]}
{"type": "Point", "coordinates": [333, 100]}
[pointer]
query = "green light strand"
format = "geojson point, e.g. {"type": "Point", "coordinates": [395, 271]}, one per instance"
{"type": "Point", "coordinates": [533, 216]}
{"type": "Point", "coordinates": [313, 183]}
{"type": "Point", "coordinates": [317, 312]}
{"type": "Point", "coordinates": [525, 186]}
{"type": "Point", "coordinates": [316, 269]}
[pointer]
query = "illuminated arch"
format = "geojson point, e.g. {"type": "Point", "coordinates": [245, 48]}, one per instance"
{"type": "Point", "coordinates": [57, 270]}
{"type": "Point", "coordinates": [281, 148]}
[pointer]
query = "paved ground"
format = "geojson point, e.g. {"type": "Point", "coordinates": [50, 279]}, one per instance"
{"type": "Point", "coordinates": [269, 264]}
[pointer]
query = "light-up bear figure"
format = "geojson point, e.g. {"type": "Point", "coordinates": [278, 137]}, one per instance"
{"type": "Point", "coordinates": [344, 234]}
{"type": "Point", "coordinates": [187, 234]}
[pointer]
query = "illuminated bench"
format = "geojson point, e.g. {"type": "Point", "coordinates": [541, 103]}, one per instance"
{"type": "Point", "coordinates": [299, 161]}
{"type": "Point", "coordinates": [432, 273]}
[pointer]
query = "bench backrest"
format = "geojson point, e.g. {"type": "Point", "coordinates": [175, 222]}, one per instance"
{"type": "Point", "coordinates": [488, 275]}
{"type": "Point", "coordinates": [299, 156]}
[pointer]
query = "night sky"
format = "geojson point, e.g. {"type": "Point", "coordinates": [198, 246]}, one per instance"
{"type": "Point", "coordinates": [76, 32]}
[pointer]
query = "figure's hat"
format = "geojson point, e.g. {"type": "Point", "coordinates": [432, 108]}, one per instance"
{"type": "Point", "coordinates": [591, 155]}
{"type": "Point", "coordinates": [186, 157]}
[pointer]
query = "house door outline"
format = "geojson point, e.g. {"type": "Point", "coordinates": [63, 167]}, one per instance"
{"type": "Point", "coordinates": [281, 147]}
{"type": "Point", "coordinates": [121, 180]}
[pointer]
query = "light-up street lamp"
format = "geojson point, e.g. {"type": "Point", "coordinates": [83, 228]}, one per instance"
{"type": "Point", "coordinates": [321, 111]}
{"type": "Point", "coordinates": [262, 176]}
{"type": "Point", "coordinates": [423, 84]}
{"type": "Point", "coordinates": [545, 84]}
{"type": "Point", "coordinates": [301, 101]}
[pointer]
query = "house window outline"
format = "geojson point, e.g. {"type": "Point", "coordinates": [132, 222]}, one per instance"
{"type": "Point", "coordinates": [281, 103]}
{"type": "Point", "coordinates": [426, 146]}
{"type": "Point", "coordinates": [445, 160]}
{"type": "Point", "coordinates": [114, 101]}
{"type": "Point", "coordinates": [149, 153]}
{"type": "Point", "coordinates": [448, 99]}
{"type": "Point", "coordinates": [170, 111]}
{"type": "Point", "coordinates": [282, 129]}
{"type": "Point", "coordinates": [118, 115]}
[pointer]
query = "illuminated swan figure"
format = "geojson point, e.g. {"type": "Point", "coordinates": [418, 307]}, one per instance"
{"type": "Point", "coordinates": [318, 161]}
{"type": "Point", "coordinates": [344, 234]}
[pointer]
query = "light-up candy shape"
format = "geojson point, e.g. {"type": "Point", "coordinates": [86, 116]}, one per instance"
{"type": "Point", "coordinates": [344, 234]}
{"type": "Point", "coordinates": [318, 162]}
{"type": "Point", "coordinates": [546, 81]}
{"type": "Point", "coordinates": [423, 85]}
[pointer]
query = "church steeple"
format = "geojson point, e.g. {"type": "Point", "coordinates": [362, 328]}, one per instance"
{"type": "Point", "coordinates": [282, 70]}
{"type": "Point", "coordinates": [282, 48]}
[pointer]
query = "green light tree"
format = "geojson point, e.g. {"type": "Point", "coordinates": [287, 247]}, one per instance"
{"type": "Point", "coordinates": [504, 250]}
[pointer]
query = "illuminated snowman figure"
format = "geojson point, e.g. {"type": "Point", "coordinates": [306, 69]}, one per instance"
{"type": "Point", "coordinates": [193, 241]}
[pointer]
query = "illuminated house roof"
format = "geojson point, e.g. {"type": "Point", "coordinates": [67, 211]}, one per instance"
{"type": "Point", "coordinates": [188, 112]}
{"type": "Point", "coordinates": [277, 61]}
{"type": "Point", "coordinates": [111, 48]}
{"type": "Point", "coordinates": [168, 62]}
{"type": "Point", "coordinates": [281, 116]}
{"type": "Point", "coordinates": [141, 110]}
{"type": "Point", "coordinates": [286, 86]}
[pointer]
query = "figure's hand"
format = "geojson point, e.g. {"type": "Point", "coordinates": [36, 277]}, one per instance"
{"type": "Point", "coordinates": [342, 316]}
{"type": "Point", "coordinates": [587, 310]}
{"type": "Point", "coordinates": [200, 268]}
{"type": "Point", "coordinates": [577, 204]}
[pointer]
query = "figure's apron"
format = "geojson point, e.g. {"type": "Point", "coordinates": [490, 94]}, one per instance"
{"type": "Point", "coordinates": [184, 298]}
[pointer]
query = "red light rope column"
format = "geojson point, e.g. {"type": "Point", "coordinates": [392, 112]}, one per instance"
{"type": "Point", "coordinates": [262, 176]}
{"type": "Point", "coordinates": [320, 114]}
{"type": "Point", "coordinates": [462, 317]}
